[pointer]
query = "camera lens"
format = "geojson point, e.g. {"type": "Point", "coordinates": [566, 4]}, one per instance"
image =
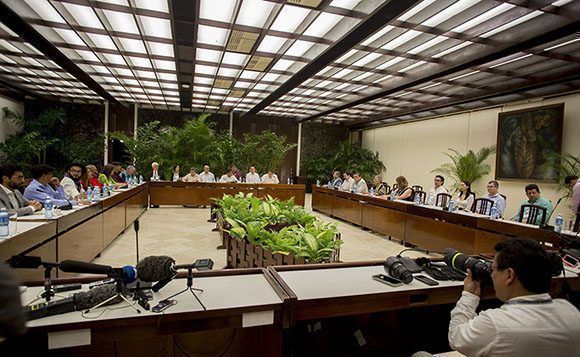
{"type": "Point", "coordinates": [396, 269]}
{"type": "Point", "coordinates": [480, 270]}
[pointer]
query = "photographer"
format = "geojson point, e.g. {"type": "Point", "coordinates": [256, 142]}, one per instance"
{"type": "Point", "coordinates": [530, 323]}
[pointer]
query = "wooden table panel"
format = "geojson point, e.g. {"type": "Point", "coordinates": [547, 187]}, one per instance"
{"type": "Point", "coordinates": [436, 235]}
{"type": "Point", "coordinates": [47, 252]}
{"type": "Point", "coordinates": [385, 221]}
{"type": "Point", "coordinates": [113, 223]}
{"type": "Point", "coordinates": [284, 192]}
{"type": "Point", "coordinates": [68, 221]}
{"type": "Point", "coordinates": [486, 241]}
{"type": "Point", "coordinates": [135, 206]}
{"type": "Point", "coordinates": [25, 241]}
{"type": "Point", "coordinates": [322, 202]}
{"type": "Point", "coordinates": [348, 210]}
{"type": "Point", "coordinates": [83, 242]}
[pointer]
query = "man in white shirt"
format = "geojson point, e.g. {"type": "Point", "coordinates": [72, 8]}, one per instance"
{"type": "Point", "coordinates": [270, 177]}
{"type": "Point", "coordinates": [530, 323]}
{"type": "Point", "coordinates": [359, 185]}
{"type": "Point", "coordinates": [71, 182]}
{"type": "Point", "coordinates": [229, 177]}
{"type": "Point", "coordinates": [252, 176]}
{"type": "Point", "coordinates": [347, 182]}
{"type": "Point", "coordinates": [493, 194]}
{"type": "Point", "coordinates": [10, 198]}
{"type": "Point", "coordinates": [435, 190]}
{"type": "Point", "coordinates": [206, 176]}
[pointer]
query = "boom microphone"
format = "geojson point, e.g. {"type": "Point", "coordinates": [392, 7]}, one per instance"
{"type": "Point", "coordinates": [156, 268]}
{"type": "Point", "coordinates": [78, 302]}
{"type": "Point", "coordinates": [28, 262]}
{"type": "Point", "coordinates": [126, 273]}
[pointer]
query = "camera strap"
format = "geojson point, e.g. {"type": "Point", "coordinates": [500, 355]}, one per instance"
{"type": "Point", "coordinates": [529, 302]}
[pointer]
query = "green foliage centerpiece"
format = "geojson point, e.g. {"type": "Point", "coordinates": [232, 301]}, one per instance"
{"type": "Point", "coordinates": [279, 226]}
{"type": "Point", "coordinates": [469, 166]}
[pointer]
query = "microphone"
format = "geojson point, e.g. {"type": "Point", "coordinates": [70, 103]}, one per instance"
{"type": "Point", "coordinates": [156, 268]}
{"type": "Point", "coordinates": [127, 273]}
{"type": "Point", "coordinates": [78, 302]}
{"type": "Point", "coordinates": [28, 262]}
{"type": "Point", "coordinates": [546, 224]}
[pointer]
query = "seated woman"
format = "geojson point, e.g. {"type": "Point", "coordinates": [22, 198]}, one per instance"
{"type": "Point", "coordinates": [191, 176]}
{"type": "Point", "coordinates": [175, 175]}
{"type": "Point", "coordinates": [380, 188]}
{"type": "Point", "coordinates": [106, 177]}
{"type": "Point", "coordinates": [404, 192]}
{"type": "Point", "coordinates": [464, 198]}
{"type": "Point", "coordinates": [93, 177]}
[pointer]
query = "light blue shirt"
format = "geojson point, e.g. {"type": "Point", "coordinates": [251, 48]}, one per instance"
{"type": "Point", "coordinates": [499, 203]}
{"type": "Point", "coordinates": [38, 191]}
{"type": "Point", "coordinates": [336, 183]}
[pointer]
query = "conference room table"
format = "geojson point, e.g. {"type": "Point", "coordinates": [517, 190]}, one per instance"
{"type": "Point", "coordinates": [204, 193]}
{"type": "Point", "coordinates": [424, 226]}
{"type": "Point", "coordinates": [81, 233]}
{"type": "Point", "coordinates": [267, 310]}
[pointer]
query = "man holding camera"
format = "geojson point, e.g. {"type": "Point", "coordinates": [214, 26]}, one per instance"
{"type": "Point", "coordinates": [530, 323]}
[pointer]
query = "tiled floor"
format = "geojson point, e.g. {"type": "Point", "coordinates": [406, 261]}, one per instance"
{"type": "Point", "coordinates": [185, 235]}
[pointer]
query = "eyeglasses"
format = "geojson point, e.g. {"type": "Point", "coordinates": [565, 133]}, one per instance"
{"type": "Point", "coordinates": [18, 177]}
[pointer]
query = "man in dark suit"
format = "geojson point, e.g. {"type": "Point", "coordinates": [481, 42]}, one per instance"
{"type": "Point", "coordinates": [10, 197]}
{"type": "Point", "coordinates": [155, 174]}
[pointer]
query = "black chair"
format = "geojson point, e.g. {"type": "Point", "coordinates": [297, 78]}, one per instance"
{"type": "Point", "coordinates": [395, 187]}
{"type": "Point", "coordinates": [442, 199]}
{"type": "Point", "coordinates": [482, 206]}
{"type": "Point", "coordinates": [504, 197]}
{"type": "Point", "coordinates": [422, 194]}
{"type": "Point", "coordinates": [387, 188]}
{"type": "Point", "coordinates": [533, 212]}
{"type": "Point", "coordinates": [417, 188]}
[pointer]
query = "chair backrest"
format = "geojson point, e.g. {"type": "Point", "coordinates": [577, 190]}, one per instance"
{"type": "Point", "coordinates": [423, 196]}
{"type": "Point", "coordinates": [482, 205]}
{"type": "Point", "coordinates": [395, 186]}
{"type": "Point", "coordinates": [387, 187]}
{"type": "Point", "coordinates": [504, 197]}
{"type": "Point", "coordinates": [442, 199]}
{"type": "Point", "coordinates": [417, 188]}
{"type": "Point", "coordinates": [533, 211]}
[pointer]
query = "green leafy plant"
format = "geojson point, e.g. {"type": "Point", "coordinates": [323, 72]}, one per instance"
{"type": "Point", "coordinates": [566, 165]}
{"type": "Point", "coordinates": [348, 158]}
{"type": "Point", "coordinates": [469, 166]}
{"type": "Point", "coordinates": [266, 151]}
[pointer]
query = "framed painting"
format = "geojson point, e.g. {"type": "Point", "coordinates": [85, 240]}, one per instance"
{"type": "Point", "coordinates": [525, 140]}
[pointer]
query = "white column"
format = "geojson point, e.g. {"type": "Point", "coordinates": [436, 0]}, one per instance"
{"type": "Point", "coordinates": [135, 115]}
{"type": "Point", "coordinates": [298, 151]}
{"type": "Point", "coordinates": [106, 159]}
{"type": "Point", "coordinates": [232, 122]}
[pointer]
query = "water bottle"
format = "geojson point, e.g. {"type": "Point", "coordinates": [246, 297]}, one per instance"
{"type": "Point", "coordinates": [89, 193]}
{"type": "Point", "coordinates": [288, 181]}
{"type": "Point", "coordinates": [393, 195]}
{"type": "Point", "coordinates": [417, 199]}
{"type": "Point", "coordinates": [48, 207]}
{"type": "Point", "coordinates": [111, 189]}
{"type": "Point", "coordinates": [558, 223]}
{"type": "Point", "coordinates": [96, 194]}
{"type": "Point", "coordinates": [140, 179]}
{"type": "Point", "coordinates": [329, 184]}
{"type": "Point", "coordinates": [105, 191]}
{"type": "Point", "coordinates": [494, 212]}
{"type": "Point", "coordinates": [318, 183]}
{"type": "Point", "coordinates": [450, 206]}
{"type": "Point", "coordinates": [372, 192]}
{"type": "Point", "coordinates": [4, 223]}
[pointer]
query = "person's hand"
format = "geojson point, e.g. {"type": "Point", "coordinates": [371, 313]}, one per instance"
{"type": "Point", "coordinates": [470, 285]}
{"type": "Point", "coordinates": [55, 181]}
{"type": "Point", "coordinates": [37, 206]}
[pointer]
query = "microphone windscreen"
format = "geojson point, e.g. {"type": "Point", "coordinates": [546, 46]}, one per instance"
{"type": "Point", "coordinates": [88, 299]}
{"type": "Point", "coordinates": [155, 268]}
{"type": "Point", "coordinates": [74, 266]}
{"type": "Point", "coordinates": [129, 274]}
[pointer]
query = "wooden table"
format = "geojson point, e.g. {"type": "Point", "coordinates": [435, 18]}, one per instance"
{"type": "Point", "coordinates": [424, 226]}
{"type": "Point", "coordinates": [201, 193]}
{"type": "Point", "coordinates": [80, 234]}
{"type": "Point", "coordinates": [247, 303]}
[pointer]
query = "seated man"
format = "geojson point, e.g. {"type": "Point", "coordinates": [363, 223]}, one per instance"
{"type": "Point", "coordinates": [380, 188]}
{"type": "Point", "coordinates": [156, 174]}
{"type": "Point", "coordinates": [39, 188]}
{"type": "Point", "coordinates": [359, 185]}
{"type": "Point", "coordinates": [336, 180]}
{"type": "Point", "coordinates": [229, 177]}
{"type": "Point", "coordinates": [72, 183]}
{"type": "Point", "coordinates": [191, 176]}
{"type": "Point", "coordinates": [206, 175]}
{"type": "Point", "coordinates": [347, 182]}
{"type": "Point", "coordinates": [237, 172]}
{"type": "Point", "coordinates": [252, 176]}
{"type": "Point", "coordinates": [534, 198]}
{"type": "Point", "coordinates": [435, 190]}
{"type": "Point", "coordinates": [270, 177]}
{"type": "Point", "coordinates": [10, 197]}
{"type": "Point", "coordinates": [493, 194]}
{"type": "Point", "coordinates": [131, 173]}
{"type": "Point", "coordinates": [530, 323]}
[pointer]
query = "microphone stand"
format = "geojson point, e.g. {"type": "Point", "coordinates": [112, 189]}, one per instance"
{"type": "Point", "coordinates": [119, 287]}
{"type": "Point", "coordinates": [48, 292]}
{"type": "Point", "coordinates": [190, 288]}
{"type": "Point", "coordinates": [136, 227]}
